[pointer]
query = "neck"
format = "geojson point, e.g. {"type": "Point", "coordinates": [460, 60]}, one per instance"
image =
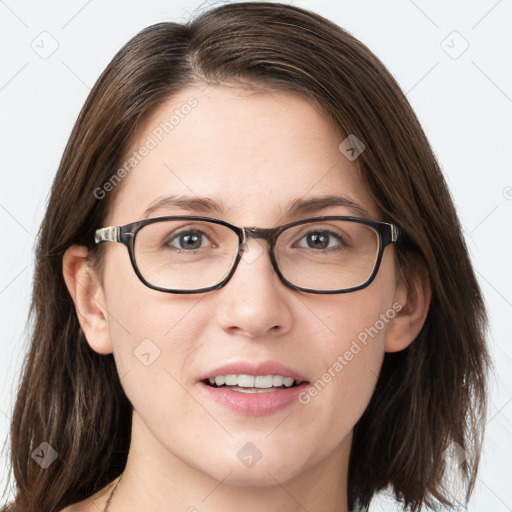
{"type": "Point", "coordinates": [157, 479]}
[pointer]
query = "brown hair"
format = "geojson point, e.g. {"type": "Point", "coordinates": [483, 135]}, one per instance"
{"type": "Point", "coordinates": [428, 396]}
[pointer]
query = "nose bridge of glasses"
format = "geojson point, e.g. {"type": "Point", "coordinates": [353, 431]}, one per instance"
{"type": "Point", "coordinates": [253, 232]}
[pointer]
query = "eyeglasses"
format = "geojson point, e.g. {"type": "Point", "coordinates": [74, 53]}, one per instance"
{"type": "Point", "coordinates": [191, 254]}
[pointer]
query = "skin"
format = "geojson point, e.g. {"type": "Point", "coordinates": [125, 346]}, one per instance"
{"type": "Point", "coordinates": [255, 153]}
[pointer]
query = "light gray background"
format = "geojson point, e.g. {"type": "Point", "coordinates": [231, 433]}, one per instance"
{"type": "Point", "coordinates": [462, 98]}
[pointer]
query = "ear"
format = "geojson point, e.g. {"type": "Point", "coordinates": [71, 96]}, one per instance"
{"type": "Point", "coordinates": [411, 302]}
{"type": "Point", "coordinates": [87, 293]}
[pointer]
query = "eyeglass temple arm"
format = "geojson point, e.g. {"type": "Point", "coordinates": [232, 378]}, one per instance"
{"type": "Point", "coordinates": [395, 233]}
{"type": "Point", "coordinates": [108, 234]}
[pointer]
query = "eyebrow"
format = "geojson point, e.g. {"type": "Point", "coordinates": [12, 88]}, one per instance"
{"type": "Point", "coordinates": [298, 206]}
{"type": "Point", "coordinates": [316, 204]}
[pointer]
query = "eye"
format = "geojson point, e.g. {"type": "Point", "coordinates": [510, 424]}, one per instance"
{"type": "Point", "coordinates": [322, 239]}
{"type": "Point", "coordinates": [186, 240]}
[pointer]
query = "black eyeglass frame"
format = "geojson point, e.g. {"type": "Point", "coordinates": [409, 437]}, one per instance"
{"type": "Point", "coordinates": [388, 234]}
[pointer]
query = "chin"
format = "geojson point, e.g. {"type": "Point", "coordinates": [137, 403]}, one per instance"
{"type": "Point", "coordinates": [278, 467]}
{"type": "Point", "coordinates": [264, 477]}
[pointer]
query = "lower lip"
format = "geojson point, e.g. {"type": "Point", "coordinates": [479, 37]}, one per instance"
{"type": "Point", "coordinates": [254, 404]}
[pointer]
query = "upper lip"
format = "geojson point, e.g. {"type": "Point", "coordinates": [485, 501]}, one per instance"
{"type": "Point", "coordinates": [247, 368]}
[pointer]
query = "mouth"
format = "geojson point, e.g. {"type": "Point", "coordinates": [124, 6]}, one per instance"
{"type": "Point", "coordinates": [253, 395]}
{"type": "Point", "coordinates": [252, 384]}
{"type": "Point", "coordinates": [253, 388]}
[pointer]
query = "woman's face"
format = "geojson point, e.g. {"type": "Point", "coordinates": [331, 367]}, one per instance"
{"type": "Point", "coordinates": [254, 155]}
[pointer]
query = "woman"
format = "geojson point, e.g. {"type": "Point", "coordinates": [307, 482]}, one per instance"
{"type": "Point", "coordinates": [293, 323]}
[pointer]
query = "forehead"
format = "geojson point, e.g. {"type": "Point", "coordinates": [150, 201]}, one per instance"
{"type": "Point", "coordinates": [253, 153]}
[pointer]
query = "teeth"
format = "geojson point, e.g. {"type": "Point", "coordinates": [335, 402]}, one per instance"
{"type": "Point", "coordinates": [277, 380]}
{"type": "Point", "coordinates": [288, 381]}
{"type": "Point", "coordinates": [246, 381]}
{"type": "Point", "coordinates": [262, 382]}
{"type": "Point", "coordinates": [231, 380]}
{"type": "Point", "coordinates": [251, 390]}
{"type": "Point", "coordinates": [250, 381]}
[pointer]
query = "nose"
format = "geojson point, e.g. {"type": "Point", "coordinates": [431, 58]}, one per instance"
{"type": "Point", "coordinates": [255, 303]}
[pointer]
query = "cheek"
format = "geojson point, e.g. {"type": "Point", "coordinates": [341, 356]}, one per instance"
{"type": "Point", "coordinates": [349, 360]}
{"type": "Point", "coordinates": [136, 312]}
{"type": "Point", "coordinates": [153, 335]}
{"type": "Point", "coordinates": [350, 349]}
{"type": "Point", "coordinates": [153, 352]}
